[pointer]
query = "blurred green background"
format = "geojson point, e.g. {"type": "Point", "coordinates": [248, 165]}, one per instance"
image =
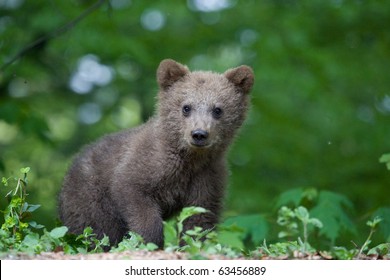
{"type": "Point", "coordinates": [320, 113]}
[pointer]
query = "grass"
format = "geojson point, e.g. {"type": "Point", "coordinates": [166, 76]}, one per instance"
{"type": "Point", "coordinates": [242, 236]}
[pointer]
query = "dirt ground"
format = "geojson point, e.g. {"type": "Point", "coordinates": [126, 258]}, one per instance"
{"type": "Point", "coordinates": [159, 255]}
{"type": "Point", "coordinates": [134, 255]}
{"type": "Point", "coordinates": [130, 255]}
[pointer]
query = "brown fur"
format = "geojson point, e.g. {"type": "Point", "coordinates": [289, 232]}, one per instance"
{"type": "Point", "coordinates": [133, 180]}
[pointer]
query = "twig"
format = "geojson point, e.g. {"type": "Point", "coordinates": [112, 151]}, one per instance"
{"type": "Point", "coordinates": [53, 34]}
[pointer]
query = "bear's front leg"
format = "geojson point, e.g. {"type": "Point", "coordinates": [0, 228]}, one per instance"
{"type": "Point", "coordinates": [144, 217]}
{"type": "Point", "coordinates": [209, 200]}
{"type": "Point", "coordinates": [207, 191]}
{"type": "Point", "coordinates": [206, 220]}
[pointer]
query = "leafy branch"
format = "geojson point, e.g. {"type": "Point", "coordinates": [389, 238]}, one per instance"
{"type": "Point", "coordinates": [53, 34]}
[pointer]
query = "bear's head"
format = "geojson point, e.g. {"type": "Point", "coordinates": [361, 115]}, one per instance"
{"type": "Point", "coordinates": [202, 110]}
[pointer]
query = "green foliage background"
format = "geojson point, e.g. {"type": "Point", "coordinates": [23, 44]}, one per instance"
{"type": "Point", "coordinates": [320, 113]}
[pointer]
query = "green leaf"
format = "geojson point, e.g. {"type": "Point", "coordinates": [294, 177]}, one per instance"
{"type": "Point", "coordinates": [302, 214]}
{"type": "Point", "coordinates": [296, 197]}
{"type": "Point", "coordinates": [151, 246]}
{"type": "Point", "coordinates": [4, 181]}
{"type": "Point", "coordinates": [58, 232]}
{"type": "Point", "coordinates": [283, 234]}
{"type": "Point", "coordinates": [15, 201]}
{"type": "Point", "coordinates": [25, 170]}
{"type": "Point", "coordinates": [374, 222]}
{"type": "Point", "coordinates": [193, 246]}
{"type": "Point", "coordinates": [32, 207]}
{"type": "Point", "coordinates": [31, 240]}
{"type": "Point", "coordinates": [283, 248]}
{"type": "Point", "coordinates": [35, 225]}
{"type": "Point", "coordinates": [342, 253]}
{"type": "Point", "coordinates": [133, 241]}
{"type": "Point", "coordinates": [87, 232]}
{"type": "Point", "coordinates": [68, 249]}
{"type": "Point", "coordinates": [231, 239]}
{"type": "Point", "coordinates": [331, 210]}
{"type": "Point", "coordinates": [105, 241]}
{"type": "Point", "coordinates": [285, 215]}
{"type": "Point", "coordinates": [293, 197]}
{"type": "Point", "coordinates": [254, 226]}
{"type": "Point", "coordinates": [82, 250]}
{"type": "Point", "coordinates": [315, 222]}
{"type": "Point", "coordinates": [190, 211]}
{"type": "Point", "coordinates": [170, 233]}
{"type": "Point", "coordinates": [385, 159]}
{"type": "Point", "coordinates": [194, 232]}
{"type": "Point", "coordinates": [186, 213]}
{"type": "Point", "coordinates": [381, 250]}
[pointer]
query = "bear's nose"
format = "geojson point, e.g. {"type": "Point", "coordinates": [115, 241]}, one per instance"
{"type": "Point", "coordinates": [199, 136]}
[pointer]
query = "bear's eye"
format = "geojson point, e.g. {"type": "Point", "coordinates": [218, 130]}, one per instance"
{"type": "Point", "coordinates": [217, 112]}
{"type": "Point", "coordinates": [186, 110]}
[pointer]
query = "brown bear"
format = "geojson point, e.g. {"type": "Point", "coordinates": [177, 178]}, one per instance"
{"type": "Point", "coordinates": [135, 179]}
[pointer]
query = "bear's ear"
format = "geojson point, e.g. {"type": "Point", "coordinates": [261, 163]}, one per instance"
{"type": "Point", "coordinates": [242, 77]}
{"type": "Point", "coordinates": [170, 71]}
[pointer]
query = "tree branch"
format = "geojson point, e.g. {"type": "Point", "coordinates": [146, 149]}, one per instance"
{"type": "Point", "coordinates": [53, 34]}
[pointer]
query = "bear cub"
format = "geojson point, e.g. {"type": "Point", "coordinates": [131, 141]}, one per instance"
{"type": "Point", "coordinates": [135, 179]}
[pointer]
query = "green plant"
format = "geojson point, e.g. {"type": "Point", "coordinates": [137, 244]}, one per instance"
{"type": "Point", "coordinates": [16, 215]}
{"type": "Point", "coordinates": [19, 233]}
{"type": "Point", "coordinates": [133, 242]}
{"type": "Point", "coordinates": [381, 250]}
{"type": "Point", "coordinates": [288, 218]}
{"type": "Point", "coordinates": [199, 242]}
{"type": "Point", "coordinates": [90, 243]}
{"type": "Point", "coordinates": [355, 253]}
{"type": "Point", "coordinates": [373, 226]}
{"type": "Point", "coordinates": [173, 229]}
{"type": "Point", "coordinates": [331, 208]}
{"type": "Point", "coordinates": [279, 249]}
{"type": "Point", "coordinates": [243, 231]}
{"type": "Point", "coordinates": [47, 242]}
{"type": "Point", "coordinates": [342, 253]}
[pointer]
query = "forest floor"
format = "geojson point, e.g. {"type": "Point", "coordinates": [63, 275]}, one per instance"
{"type": "Point", "coordinates": [160, 255]}
{"type": "Point", "coordinates": [134, 255]}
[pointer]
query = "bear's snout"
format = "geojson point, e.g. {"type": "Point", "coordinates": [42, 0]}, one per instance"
{"type": "Point", "coordinates": [199, 137]}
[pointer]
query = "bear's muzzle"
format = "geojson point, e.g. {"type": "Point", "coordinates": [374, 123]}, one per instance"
{"type": "Point", "coordinates": [199, 138]}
